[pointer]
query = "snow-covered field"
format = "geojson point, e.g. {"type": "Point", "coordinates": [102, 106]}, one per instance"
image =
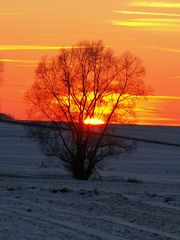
{"type": "Point", "coordinates": [138, 197]}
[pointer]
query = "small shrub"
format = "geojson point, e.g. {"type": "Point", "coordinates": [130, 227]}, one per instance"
{"type": "Point", "coordinates": [134, 180]}
{"type": "Point", "coordinates": [62, 190]}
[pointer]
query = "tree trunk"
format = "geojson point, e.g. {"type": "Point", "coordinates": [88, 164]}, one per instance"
{"type": "Point", "coordinates": [78, 169]}
{"type": "Point", "coordinates": [89, 170]}
{"type": "Point", "coordinates": [78, 166]}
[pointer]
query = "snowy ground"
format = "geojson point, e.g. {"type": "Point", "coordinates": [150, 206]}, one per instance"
{"type": "Point", "coordinates": [138, 197]}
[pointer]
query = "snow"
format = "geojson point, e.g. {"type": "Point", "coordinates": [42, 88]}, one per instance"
{"type": "Point", "coordinates": [137, 198]}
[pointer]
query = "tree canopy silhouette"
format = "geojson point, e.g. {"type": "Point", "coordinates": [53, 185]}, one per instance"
{"type": "Point", "coordinates": [75, 89]}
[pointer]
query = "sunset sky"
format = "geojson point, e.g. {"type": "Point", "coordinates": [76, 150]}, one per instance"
{"type": "Point", "coordinates": [149, 29]}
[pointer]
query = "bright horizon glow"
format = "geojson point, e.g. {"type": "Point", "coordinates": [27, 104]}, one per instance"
{"type": "Point", "coordinates": [93, 121]}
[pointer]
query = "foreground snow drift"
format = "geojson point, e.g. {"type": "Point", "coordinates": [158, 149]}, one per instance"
{"type": "Point", "coordinates": [137, 198]}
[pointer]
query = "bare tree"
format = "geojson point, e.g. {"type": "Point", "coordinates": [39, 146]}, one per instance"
{"type": "Point", "coordinates": [80, 84]}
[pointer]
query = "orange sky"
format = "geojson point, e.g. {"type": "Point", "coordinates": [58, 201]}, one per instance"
{"type": "Point", "coordinates": [149, 29]}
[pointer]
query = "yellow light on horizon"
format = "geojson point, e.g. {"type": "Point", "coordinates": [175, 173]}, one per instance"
{"type": "Point", "coordinates": [93, 121]}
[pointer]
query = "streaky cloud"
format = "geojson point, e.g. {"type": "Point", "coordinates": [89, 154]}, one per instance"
{"type": "Point", "coordinates": [174, 77]}
{"type": "Point", "coordinates": [172, 50]}
{"type": "Point", "coordinates": [156, 118]}
{"type": "Point", "coordinates": [26, 65]}
{"type": "Point", "coordinates": [19, 11]}
{"type": "Point", "coordinates": [15, 85]}
{"type": "Point", "coordinates": [160, 20]}
{"type": "Point", "coordinates": [14, 12]}
{"type": "Point", "coordinates": [163, 97]}
{"type": "Point", "coordinates": [18, 61]}
{"type": "Point", "coordinates": [33, 47]}
{"type": "Point", "coordinates": [155, 4]}
{"type": "Point", "coordinates": [140, 24]}
{"type": "Point", "coordinates": [148, 13]}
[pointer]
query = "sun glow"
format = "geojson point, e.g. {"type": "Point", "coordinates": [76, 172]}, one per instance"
{"type": "Point", "coordinates": [93, 121]}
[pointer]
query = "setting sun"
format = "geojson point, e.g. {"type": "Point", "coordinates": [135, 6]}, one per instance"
{"type": "Point", "coordinates": [93, 121]}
